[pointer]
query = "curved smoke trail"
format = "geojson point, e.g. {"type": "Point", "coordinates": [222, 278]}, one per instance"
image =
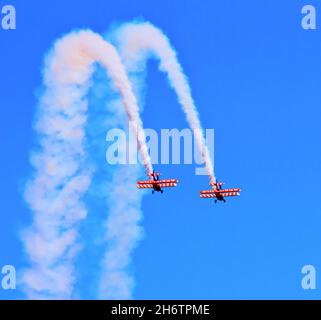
{"type": "Point", "coordinates": [136, 42]}
{"type": "Point", "coordinates": [61, 178]}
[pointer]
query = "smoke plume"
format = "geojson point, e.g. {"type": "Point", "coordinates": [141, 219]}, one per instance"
{"type": "Point", "coordinates": [61, 177]}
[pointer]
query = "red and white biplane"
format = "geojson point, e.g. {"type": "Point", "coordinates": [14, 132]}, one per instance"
{"type": "Point", "coordinates": [218, 193]}
{"type": "Point", "coordinates": [156, 184]}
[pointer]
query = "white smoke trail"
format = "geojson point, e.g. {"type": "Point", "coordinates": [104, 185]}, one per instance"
{"type": "Point", "coordinates": [136, 42]}
{"type": "Point", "coordinates": [61, 178]}
{"type": "Point", "coordinates": [122, 234]}
{"type": "Point", "coordinates": [122, 227]}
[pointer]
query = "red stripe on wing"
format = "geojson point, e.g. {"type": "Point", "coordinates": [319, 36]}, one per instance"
{"type": "Point", "coordinates": [168, 185]}
{"type": "Point", "coordinates": [208, 195]}
{"type": "Point", "coordinates": [158, 181]}
{"type": "Point", "coordinates": [144, 186]}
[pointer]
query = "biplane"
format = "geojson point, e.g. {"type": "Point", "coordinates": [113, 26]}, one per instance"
{"type": "Point", "coordinates": [155, 183]}
{"type": "Point", "coordinates": [218, 193]}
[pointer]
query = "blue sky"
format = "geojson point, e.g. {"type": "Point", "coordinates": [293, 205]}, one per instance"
{"type": "Point", "coordinates": [255, 76]}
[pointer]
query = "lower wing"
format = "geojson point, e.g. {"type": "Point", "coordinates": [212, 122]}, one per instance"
{"type": "Point", "coordinates": [160, 183]}
{"type": "Point", "coordinates": [168, 183]}
{"type": "Point", "coordinates": [212, 194]}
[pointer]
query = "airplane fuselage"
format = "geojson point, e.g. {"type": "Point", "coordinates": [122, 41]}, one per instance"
{"type": "Point", "coordinates": [157, 187]}
{"type": "Point", "coordinates": [219, 196]}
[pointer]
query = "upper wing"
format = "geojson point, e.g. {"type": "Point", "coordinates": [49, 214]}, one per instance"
{"type": "Point", "coordinates": [207, 192]}
{"type": "Point", "coordinates": [229, 194]}
{"type": "Point", "coordinates": [230, 190]}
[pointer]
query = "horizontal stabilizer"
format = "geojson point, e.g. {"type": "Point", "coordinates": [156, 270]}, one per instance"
{"type": "Point", "coordinates": [153, 174]}
{"type": "Point", "coordinates": [218, 184]}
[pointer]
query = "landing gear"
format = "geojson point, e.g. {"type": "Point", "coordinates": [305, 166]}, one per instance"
{"type": "Point", "coordinates": [224, 200]}
{"type": "Point", "coordinates": [152, 191]}
{"type": "Point", "coordinates": [215, 201]}
{"type": "Point", "coordinates": [162, 191]}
